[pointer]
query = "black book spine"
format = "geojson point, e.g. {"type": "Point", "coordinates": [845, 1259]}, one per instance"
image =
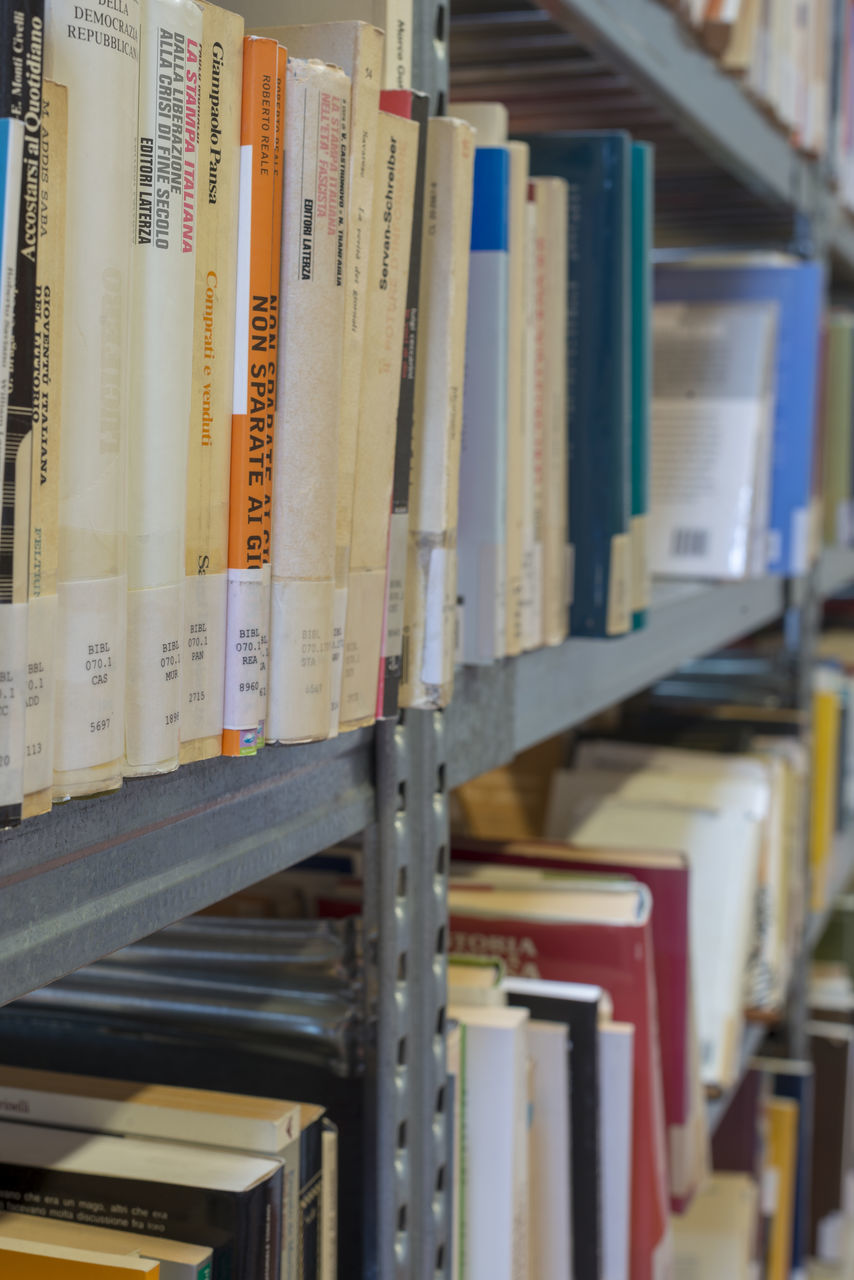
{"type": "Point", "coordinates": [310, 1193]}
{"type": "Point", "coordinates": [399, 531]}
{"type": "Point", "coordinates": [21, 59]}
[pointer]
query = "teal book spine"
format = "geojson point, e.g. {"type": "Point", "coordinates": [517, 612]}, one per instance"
{"type": "Point", "coordinates": [643, 221]}
{"type": "Point", "coordinates": [598, 168]}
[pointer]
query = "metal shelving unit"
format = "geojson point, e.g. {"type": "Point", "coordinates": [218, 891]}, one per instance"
{"type": "Point", "coordinates": [97, 874]}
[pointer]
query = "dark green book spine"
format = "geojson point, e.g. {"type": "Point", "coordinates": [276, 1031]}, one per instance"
{"type": "Point", "coordinates": [310, 1192]}
{"type": "Point", "coordinates": [643, 203]}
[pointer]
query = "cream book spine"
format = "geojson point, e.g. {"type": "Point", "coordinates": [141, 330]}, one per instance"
{"type": "Point", "coordinates": [44, 464]}
{"type": "Point", "coordinates": [557, 563]}
{"type": "Point", "coordinates": [394, 189]}
{"type": "Point", "coordinates": [517, 229]}
{"type": "Point", "coordinates": [329, 1203]}
{"type": "Point", "coordinates": [357, 48]}
{"type": "Point", "coordinates": [208, 456]}
{"type": "Point", "coordinates": [161, 378]}
{"type": "Point", "coordinates": [12, 638]}
{"type": "Point", "coordinates": [305, 473]}
{"type": "Point", "coordinates": [427, 673]}
{"type": "Point", "coordinates": [101, 71]}
{"type": "Point", "coordinates": [532, 452]}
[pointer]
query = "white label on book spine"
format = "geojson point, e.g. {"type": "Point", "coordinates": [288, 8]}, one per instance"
{"type": "Point", "coordinates": [13, 648]}
{"type": "Point", "coordinates": [640, 564]}
{"type": "Point", "coordinates": [339, 622]}
{"type": "Point", "coordinates": [800, 551]}
{"type": "Point", "coordinates": [90, 673]}
{"type": "Point", "coordinates": [264, 654]}
{"type": "Point", "coordinates": [244, 628]}
{"type": "Point", "coordinates": [300, 701]}
{"type": "Point", "coordinates": [437, 656]}
{"type": "Point", "coordinates": [396, 581]}
{"type": "Point", "coordinates": [203, 662]}
{"type": "Point", "coordinates": [41, 642]}
{"type": "Point", "coordinates": [153, 708]}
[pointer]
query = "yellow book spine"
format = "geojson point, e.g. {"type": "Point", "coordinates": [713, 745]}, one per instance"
{"type": "Point", "coordinates": [823, 806]}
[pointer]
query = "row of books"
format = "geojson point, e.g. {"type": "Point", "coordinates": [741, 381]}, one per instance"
{"type": "Point", "coordinates": [784, 53]}
{"type": "Point", "coordinates": [736, 428]}
{"type": "Point", "coordinates": [322, 445]}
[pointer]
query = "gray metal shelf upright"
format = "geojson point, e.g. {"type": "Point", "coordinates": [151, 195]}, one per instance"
{"type": "Point", "coordinates": [98, 874]}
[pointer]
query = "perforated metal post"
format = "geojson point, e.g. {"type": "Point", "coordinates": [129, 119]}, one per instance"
{"type": "Point", "coordinates": [429, 828]}
{"type": "Point", "coordinates": [389, 1119]}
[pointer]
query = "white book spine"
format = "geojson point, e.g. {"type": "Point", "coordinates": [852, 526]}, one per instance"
{"type": "Point", "coordinates": [100, 65]}
{"type": "Point", "coordinates": [397, 64]}
{"type": "Point", "coordinates": [427, 668]}
{"type": "Point", "coordinates": [482, 510]}
{"type": "Point", "coordinates": [161, 377]}
{"type": "Point", "coordinates": [299, 704]}
{"type": "Point", "coordinates": [516, 340]}
{"type": "Point", "coordinates": [557, 565]}
{"type": "Point", "coordinates": [12, 617]}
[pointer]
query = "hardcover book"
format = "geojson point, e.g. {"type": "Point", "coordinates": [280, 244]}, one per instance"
{"type": "Point", "coordinates": [598, 168]}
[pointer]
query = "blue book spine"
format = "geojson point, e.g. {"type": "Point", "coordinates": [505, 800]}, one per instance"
{"type": "Point", "coordinates": [598, 168]}
{"type": "Point", "coordinates": [643, 202]}
{"type": "Point", "coordinates": [481, 526]}
{"type": "Point", "coordinates": [798, 289]}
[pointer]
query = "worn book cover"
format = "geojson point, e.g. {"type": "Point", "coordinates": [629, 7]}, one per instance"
{"type": "Point", "coordinates": [101, 70]}
{"type": "Point", "coordinates": [209, 455]}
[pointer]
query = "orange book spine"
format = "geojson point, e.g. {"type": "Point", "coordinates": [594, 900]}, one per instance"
{"type": "Point", "coordinates": [273, 362]}
{"type": "Point", "coordinates": [254, 374]}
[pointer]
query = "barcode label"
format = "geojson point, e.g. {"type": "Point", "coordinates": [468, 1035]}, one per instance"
{"type": "Point", "coordinates": [689, 542]}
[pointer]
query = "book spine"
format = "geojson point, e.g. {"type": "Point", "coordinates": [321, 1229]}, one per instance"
{"type": "Point", "coordinates": [643, 198]}
{"type": "Point", "coordinates": [258, 1239]}
{"type": "Point", "coordinates": [517, 219]}
{"type": "Point", "coordinates": [245, 621]}
{"type": "Point", "coordinates": [397, 61]}
{"type": "Point", "coordinates": [161, 378]}
{"type": "Point", "coordinates": [13, 658]}
{"type": "Point", "coordinates": [44, 469]}
{"type": "Point", "coordinates": [22, 37]}
{"type": "Point", "coordinates": [392, 234]}
{"type": "Point", "coordinates": [208, 459]}
{"type": "Point", "coordinates": [310, 1199]}
{"type": "Point", "coordinates": [99, 63]}
{"type": "Point", "coordinates": [362, 150]}
{"type": "Point", "coordinates": [416, 107]}
{"type": "Point", "coordinates": [557, 562]}
{"type": "Point", "coordinates": [427, 666]}
{"type": "Point", "coordinates": [483, 460]}
{"type": "Point", "coordinates": [272, 382]}
{"type": "Point", "coordinates": [305, 465]}
{"type": "Point", "coordinates": [532, 459]}
{"type": "Point", "coordinates": [329, 1204]}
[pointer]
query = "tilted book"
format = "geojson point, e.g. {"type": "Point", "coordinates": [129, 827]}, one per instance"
{"type": "Point", "coordinates": [246, 622]}
{"type": "Point", "coordinates": [101, 69]}
{"type": "Point", "coordinates": [14, 656]}
{"type": "Point", "coordinates": [413, 106]}
{"type": "Point", "coordinates": [357, 49]}
{"type": "Point", "coordinates": [163, 288]}
{"type": "Point", "coordinates": [312, 303]}
{"type": "Point", "coordinates": [481, 523]}
{"type": "Point", "coordinates": [396, 164]}
{"type": "Point", "coordinates": [22, 44]}
{"type": "Point", "coordinates": [45, 446]}
{"type": "Point", "coordinates": [209, 455]}
{"type": "Point", "coordinates": [427, 669]}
